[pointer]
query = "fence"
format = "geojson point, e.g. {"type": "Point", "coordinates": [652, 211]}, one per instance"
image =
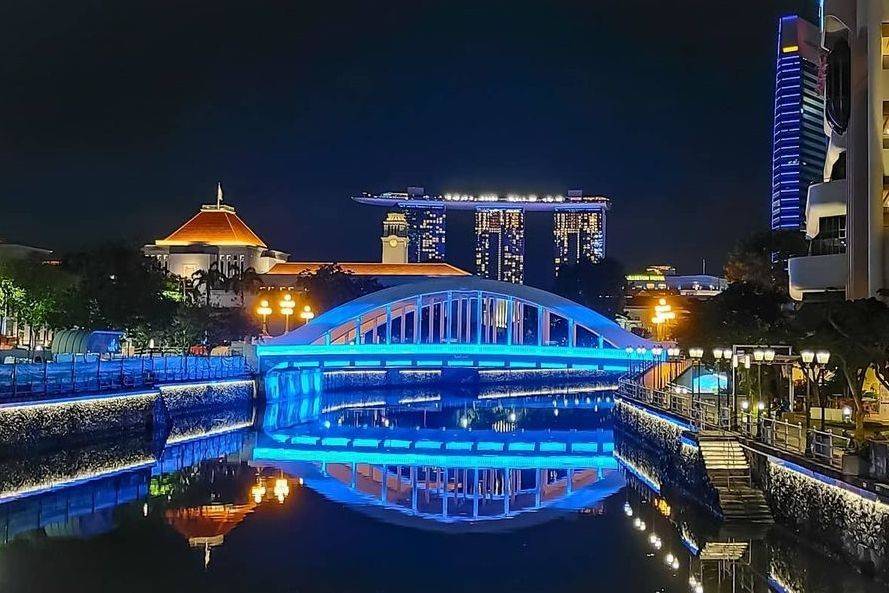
{"type": "Point", "coordinates": [87, 375]}
{"type": "Point", "coordinates": [704, 414]}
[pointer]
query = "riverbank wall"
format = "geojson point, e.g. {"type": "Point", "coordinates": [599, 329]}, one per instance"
{"type": "Point", "coordinates": [70, 421]}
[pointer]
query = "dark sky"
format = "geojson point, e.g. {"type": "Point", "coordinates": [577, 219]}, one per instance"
{"type": "Point", "coordinates": [117, 118]}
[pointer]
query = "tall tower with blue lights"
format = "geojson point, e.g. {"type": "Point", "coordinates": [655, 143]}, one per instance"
{"type": "Point", "coordinates": [799, 143]}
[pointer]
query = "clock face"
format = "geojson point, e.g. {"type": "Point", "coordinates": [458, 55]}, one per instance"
{"type": "Point", "coordinates": [393, 243]}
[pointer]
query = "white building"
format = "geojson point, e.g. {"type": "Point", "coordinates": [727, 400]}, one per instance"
{"type": "Point", "coordinates": [846, 214]}
{"type": "Point", "coordinates": [216, 234]}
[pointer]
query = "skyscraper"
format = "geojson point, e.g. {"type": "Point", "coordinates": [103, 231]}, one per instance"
{"type": "Point", "coordinates": [578, 235]}
{"type": "Point", "coordinates": [500, 244]}
{"type": "Point", "coordinates": [799, 143]}
{"type": "Point", "coordinates": [426, 234]}
{"type": "Point", "coordinates": [578, 232]}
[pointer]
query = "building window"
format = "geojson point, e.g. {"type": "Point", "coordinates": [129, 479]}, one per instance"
{"type": "Point", "coordinates": [831, 237]}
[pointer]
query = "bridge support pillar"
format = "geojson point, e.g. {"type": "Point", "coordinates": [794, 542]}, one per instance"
{"type": "Point", "coordinates": [418, 313]}
{"type": "Point", "coordinates": [572, 333]}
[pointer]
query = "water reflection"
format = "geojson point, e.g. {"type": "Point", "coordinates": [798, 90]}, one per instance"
{"type": "Point", "coordinates": [315, 484]}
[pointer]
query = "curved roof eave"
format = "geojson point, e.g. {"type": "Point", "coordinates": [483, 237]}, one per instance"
{"type": "Point", "coordinates": [599, 324]}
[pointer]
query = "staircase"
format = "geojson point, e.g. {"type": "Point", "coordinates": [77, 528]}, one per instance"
{"type": "Point", "coordinates": [729, 472]}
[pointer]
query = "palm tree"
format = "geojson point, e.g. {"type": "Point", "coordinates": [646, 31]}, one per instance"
{"type": "Point", "coordinates": [208, 280]}
{"type": "Point", "coordinates": [247, 281]}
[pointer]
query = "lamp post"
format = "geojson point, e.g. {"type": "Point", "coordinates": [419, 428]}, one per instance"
{"type": "Point", "coordinates": [696, 355]}
{"type": "Point", "coordinates": [720, 354]}
{"type": "Point", "coordinates": [673, 353]}
{"type": "Point", "coordinates": [629, 351]}
{"type": "Point", "coordinates": [306, 314]}
{"type": "Point", "coordinates": [822, 357]}
{"type": "Point", "coordinates": [758, 356]}
{"type": "Point", "coordinates": [287, 305]}
{"type": "Point", "coordinates": [769, 357]}
{"type": "Point", "coordinates": [656, 352]}
{"type": "Point", "coordinates": [264, 310]}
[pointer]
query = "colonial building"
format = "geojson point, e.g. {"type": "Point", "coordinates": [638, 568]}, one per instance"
{"type": "Point", "coordinates": [216, 234]}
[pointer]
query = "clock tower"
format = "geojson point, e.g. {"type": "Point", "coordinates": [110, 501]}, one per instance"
{"type": "Point", "coordinates": [394, 239]}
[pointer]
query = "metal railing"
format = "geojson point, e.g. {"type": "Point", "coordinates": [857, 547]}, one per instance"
{"type": "Point", "coordinates": [95, 374]}
{"type": "Point", "coordinates": [699, 410]}
{"type": "Point", "coordinates": [704, 414]}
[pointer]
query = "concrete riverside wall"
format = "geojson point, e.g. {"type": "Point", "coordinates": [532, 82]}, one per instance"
{"type": "Point", "coordinates": [670, 458]}
{"type": "Point", "coordinates": [832, 514]}
{"type": "Point", "coordinates": [294, 381]}
{"type": "Point", "coordinates": [32, 426]}
{"type": "Point", "coordinates": [838, 516]}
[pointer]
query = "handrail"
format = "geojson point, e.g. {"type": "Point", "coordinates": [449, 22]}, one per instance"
{"type": "Point", "coordinates": [80, 375]}
{"type": "Point", "coordinates": [824, 446]}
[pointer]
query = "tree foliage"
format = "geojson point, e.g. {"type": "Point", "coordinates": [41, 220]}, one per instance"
{"type": "Point", "coordinates": [758, 259]}
{"type": "Point", "coordinates": [599, 286]}
{"type": "Point", "coordinates": [330, 286]}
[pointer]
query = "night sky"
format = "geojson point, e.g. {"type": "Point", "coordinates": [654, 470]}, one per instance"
{"type": "Point", "coordinates": [117, 118]}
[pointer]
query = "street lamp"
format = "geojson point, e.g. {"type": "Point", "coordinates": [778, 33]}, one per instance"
{"type": "Point", "coordinates": [264, 310]}
{"type": "Point", "coordinates": [656, 352]}
{"type": "Point", "coordinates": [287, 305]}
{"type": "Point", "coordinates": [696, 355]}
{"type": "Point", "coordinates": [306, 314]}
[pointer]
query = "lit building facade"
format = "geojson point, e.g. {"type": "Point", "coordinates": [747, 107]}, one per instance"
{"type": "Point", "coordinates": [215, 235]}
{"type": "Point", "coordinates": [845, 213]}
{"type": "Point", "coordinates": [500, 244]}
{"type": "Point", "coordinates": [578, 236]}
{"type": "Point", "coordinates": [578, 226]}
{"type": "Point", "coordinates": [799, 142]}
{"type": "Point", "coordinates": [394, 240]}
{"type": "Point", "coordinates": [426, 234]}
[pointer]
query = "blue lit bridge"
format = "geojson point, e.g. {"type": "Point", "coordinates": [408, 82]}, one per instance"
{"type": "Point", "coordinates": [457, 322]}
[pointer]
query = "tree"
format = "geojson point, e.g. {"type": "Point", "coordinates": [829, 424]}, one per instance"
{"type": "Point", "coordinates": [744, 313]}
{"type": "Point", "coordinates": [330, 286]}
{"type": "Point", "coordinates": [208, 280]}
{"type": "Point", "coordinates": [247, 281]}
{"type": "Point", "coordinates": [758, 259]}
{"type": "Point", "coordinates": [857, 335]}
{"type": "Point", "coordinates": [117, 287]}
{"type": "Point", "coordinates": [597, 285]}
{"type": "Point", "coordinates": [32, 293]}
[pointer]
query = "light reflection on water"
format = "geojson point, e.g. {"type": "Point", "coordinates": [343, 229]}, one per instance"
{"type": "Point", "coordinates": [324, 492]}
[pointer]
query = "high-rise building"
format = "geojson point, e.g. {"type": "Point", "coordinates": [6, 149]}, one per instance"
{"type": "Point", "coordinates": [426, 234]}
{"type": "Point", "coordinates": [394, 241]}
{"type": "Point", "coordinates": [500, 244]}
{"type": "Point", "coordinates": [846, 213]}
{"type": "Point", "coordinates": [579, 235]}
{"type": "Point", "coordinates": [578, 232]}
{"type": "Point", "coordinates": [799, 142]}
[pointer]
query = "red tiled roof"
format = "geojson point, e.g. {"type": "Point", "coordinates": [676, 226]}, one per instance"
{"type": "Point", "coordinates": [372, 269]}
{"type": "Point", "coordinates": [214, 226]}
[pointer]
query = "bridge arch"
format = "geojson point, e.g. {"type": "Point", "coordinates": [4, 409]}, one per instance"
{"type": "Point", "coordinates": [466, 310]}
{"type": "Point", "coordinates": [456, 322]}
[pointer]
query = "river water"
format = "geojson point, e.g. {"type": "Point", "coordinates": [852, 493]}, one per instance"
{"type": "Point", "coordinates": [520, 488]}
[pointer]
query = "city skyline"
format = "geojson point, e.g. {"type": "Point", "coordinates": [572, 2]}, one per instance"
{"type": "Point", "coordinates": [291, 124]}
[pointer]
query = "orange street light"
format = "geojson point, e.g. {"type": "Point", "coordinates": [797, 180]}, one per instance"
{"type": "Point", "coordinates": [287, 305]}
{"type": "Point", "coordinates": [264, 310]}
{"type": "Point", "coordinates": [306, 314]}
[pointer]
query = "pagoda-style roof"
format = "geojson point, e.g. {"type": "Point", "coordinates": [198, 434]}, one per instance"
{"type": "Point", "coordinates": [214, 224]}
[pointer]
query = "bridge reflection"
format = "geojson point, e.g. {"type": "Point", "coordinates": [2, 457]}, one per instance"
{"type": "Point", "coordinates": [449, 459]}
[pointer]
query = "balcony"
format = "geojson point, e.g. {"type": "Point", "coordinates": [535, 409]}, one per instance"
{"type": "Point", "coordinates": [824, 200]}
{"type": "Point", "coordinates": [817, 273]}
